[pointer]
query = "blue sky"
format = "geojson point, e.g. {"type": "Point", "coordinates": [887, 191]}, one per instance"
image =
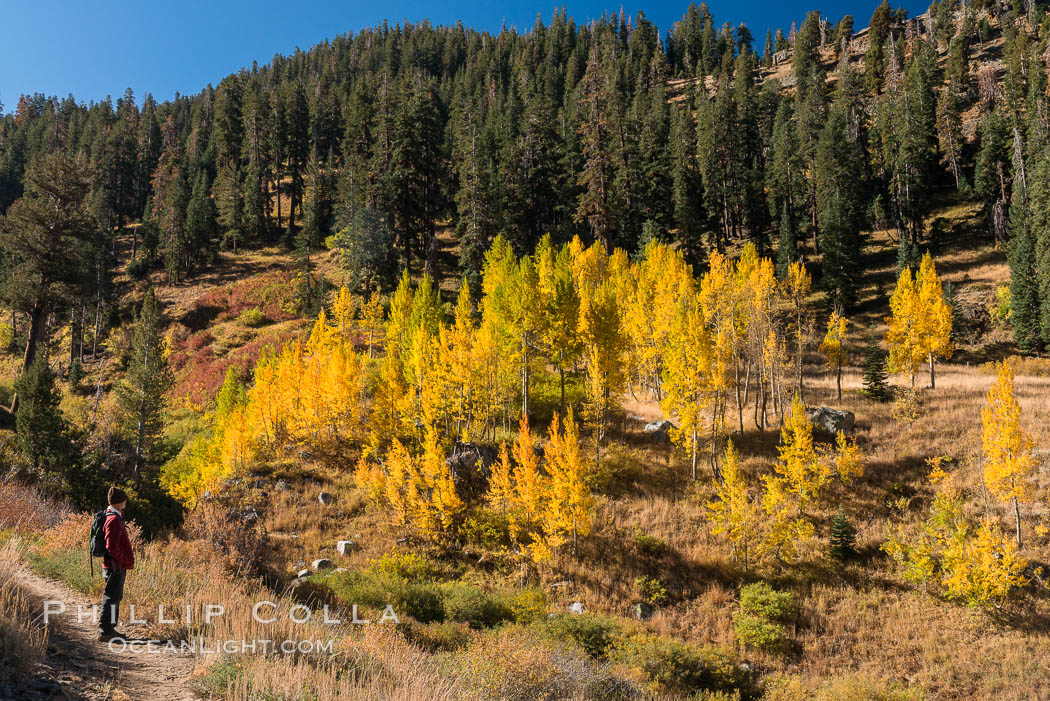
{"type": "Point", "coordinates": [99, 48]}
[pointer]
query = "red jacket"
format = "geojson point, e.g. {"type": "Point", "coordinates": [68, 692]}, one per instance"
{"type": "Point", "coordinates": [118, 545]}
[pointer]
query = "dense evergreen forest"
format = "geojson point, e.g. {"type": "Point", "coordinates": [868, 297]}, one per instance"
{"type": "Point", "coordinates": [610, 131]}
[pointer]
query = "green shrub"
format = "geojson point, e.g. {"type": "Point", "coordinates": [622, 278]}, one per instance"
{"type": "Point", "coordinates": [486, 529]}
{"type": "Point", "coordinates": [466, 604]}
{"type": "Point", "coordinates": [758, 633]}
{"type": "Point", "coordinates": [528, 605]}
{"type": "Point", "coordinates": [252, 318]}
{"type": "Point", "coordinates": [763, 601]}
{"type": "Point", "coordinates": [675, 666]}
{"type": "Point", "coordinates": [650, 545]}
{"type": "Point", "coordinates": [651, 589]}
{"type": "Point", "coordinates": [7, 336]}
{"type": "Point", "coordinates": [420, 601]}
{"type": "Point", "coordinates": [595, 634]}
{"type": "Point", "coordinates": [411, 567]}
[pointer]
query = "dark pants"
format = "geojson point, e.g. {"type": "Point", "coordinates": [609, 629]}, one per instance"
{"type": "Point", "coordinates": [111, 597]}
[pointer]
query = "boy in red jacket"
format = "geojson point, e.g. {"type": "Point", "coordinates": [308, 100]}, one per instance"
{"type": "Point", "coordinates": [115, 565]}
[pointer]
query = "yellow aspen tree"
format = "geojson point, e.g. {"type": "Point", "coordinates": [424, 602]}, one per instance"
{"type": "Point", "coordinates": [733, 513]}
{"type": "Point", "coordinates": [601, 336]}
{"type": "Point", "coordinates": [560, 307]}
{"type": "Point", "coordinates": [935, 316]}
{"type": "Point", "coordinates": [530, 486]}
{"type": "Point", "coordinates": [688, 359]}
{"type": "Point", "coordinates": [660, 279]}
{"type": "Point", "coordinates": [784, 529]}
{"type": "Point", "coordinates": [438, 504]}
{"type": "Point", "coordinates": [796, 287]}
{"type": "Point", "coordinates": [902, 334]}
{"type": "Point", "coordinates": [500, 341]}
{"type": "Point", "coordinates": [524, 317]}
{"type": "Point", "coordinates": [569, 503]}
{"type": "Point", "coordinates": [500, 494]}
{"type": "Point", "coordinates": [344, 307]}
{"type": "Point", "coordinates": [399, 492]}
{"type": "Point", "coordinates": [371, 318]}
{"type": "Point", "coordinates": [833, 347]}
{"type": "Point", "coordinates": [849, 464]}
{"type": "Point", "coordinates": [981, 569]}
{"type": "Point", "coordinates": [464, 375]}
{"type": "Point", "coordinates": [798, 465]}
{"type": "Point", "coordinates": [1008, 460]}
{"type": "Point", "coordinates": [759, 292]}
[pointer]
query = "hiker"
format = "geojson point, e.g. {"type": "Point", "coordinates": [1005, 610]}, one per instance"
{"type": "Point", "coordinates": [115, 564]}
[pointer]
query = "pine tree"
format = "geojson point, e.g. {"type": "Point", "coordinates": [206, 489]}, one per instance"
{"type": "Point", "coordinates": [41, 428]}
{"type": "Point", "coordinates": [141, 394]}
{"type": "Point", "coordinates": [840, 202]}
{"type": "Point", "coordinates": [46, 240]}
{"type": "Point", "coordinates": [201, 223]}
{"type": "Point", "coordinates": [843, 541]}
{"type": "Point", "coordinates": [874, 375]}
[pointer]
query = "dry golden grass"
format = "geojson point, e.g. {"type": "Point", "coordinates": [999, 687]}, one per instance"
{"type": "Point", "coordinates": [23, 642]}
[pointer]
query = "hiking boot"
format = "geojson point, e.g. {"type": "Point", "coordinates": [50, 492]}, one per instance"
{"type": "Point", "coordinates": [109, 636]}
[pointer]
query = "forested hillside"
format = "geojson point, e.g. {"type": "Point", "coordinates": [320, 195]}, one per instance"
{"type": "Point", "coordinates": [620, 362]}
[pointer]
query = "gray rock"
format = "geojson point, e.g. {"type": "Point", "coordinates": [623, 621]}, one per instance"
{"type": "Point", "coordinates": [660, 430]}
{"type": "Point", "coordinates": [325, 498]}
{"type": "Point", "coordinates": [302, 573]}
{"type": "Point", "coordinates": [563, 583]}
{"type": "Point", "coordinates": [642, 611]}
{"type": "Point", "coordinates": [258, 483]}
{"type": "Point", "coordinates": [470, 465]}
{"type": "Point", "coordinates": [345, 547]}
{"type": "Point", "coordinates": [831, 420]}
{"type": "Point", "coordinates": [576, 607]}
{"type": "Point", "coordinates": [322, 564]}
{"type": "Point", "coordinates": [250, 516]}
{"type": "Point", "coordinates": [402, 540]}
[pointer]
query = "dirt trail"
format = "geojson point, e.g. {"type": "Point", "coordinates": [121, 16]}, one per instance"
{"type": "Point", "coordinates": [78, 666]}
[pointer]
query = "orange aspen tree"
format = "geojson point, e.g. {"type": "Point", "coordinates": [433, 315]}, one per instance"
{"type": "Point", "coordinates": [1008, 459]}
{"type": "Point", "coordinates": [568, 508]}
{"type": "Point", "coordinates": [437, 503]}
{"type": "Point", "coordinates": [500, 494]}
{"type": "Point", "coordinates": [833, 347]}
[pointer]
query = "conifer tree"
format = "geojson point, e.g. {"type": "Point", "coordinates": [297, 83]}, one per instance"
{"type": "Point", "coordinates": [874, 375]}
{"type": "Point", "coordinates": [843, 541]}
{"type": "Point", "coordinates": [141, 395]}
{"type": "Point", "coordinates": [41, 428]}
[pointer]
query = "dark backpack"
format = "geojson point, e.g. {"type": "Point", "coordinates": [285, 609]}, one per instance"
{"type": "Point", "coordinates": [97, 537]}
